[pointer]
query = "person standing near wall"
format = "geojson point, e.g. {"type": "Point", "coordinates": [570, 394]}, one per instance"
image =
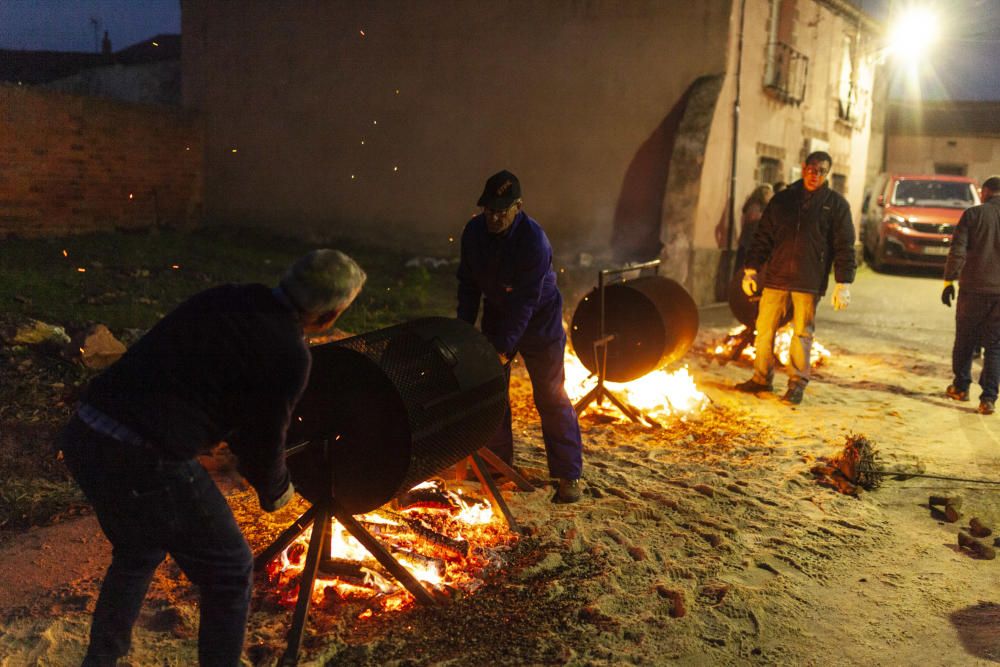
{"type": "Point", "coordinates": [974, 260]}
{"type": "Point", "coordinates": [506, 263]}
{"type": "Point", "coordinates": [805, 230]}
{"type": "Point", "coordinates": [753, 211]}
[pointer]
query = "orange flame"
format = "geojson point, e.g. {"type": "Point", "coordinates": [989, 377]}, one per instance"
{"type": "Point", "coordinates": [657, 394]}
{"type": "Point", "coordinates": [472, 521]}
{"type": "Point", "coordinates": [818, 353]}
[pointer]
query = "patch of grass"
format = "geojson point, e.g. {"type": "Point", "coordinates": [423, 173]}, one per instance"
{"type": "Point", "coordinates": [26, 502]}
{"type": "Point", "coordinates": [128, 282]}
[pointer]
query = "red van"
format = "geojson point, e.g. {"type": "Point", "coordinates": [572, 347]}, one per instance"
{"type": "Point", "coordinates": [908, 220]}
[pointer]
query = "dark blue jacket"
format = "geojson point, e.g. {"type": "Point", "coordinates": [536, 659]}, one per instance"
{"type": "Point", "coordinates": [229, 364]}
{"type": "Point", "coordinates": [512, 274]}
{"type": "Point", "coordinates": [974, 257]}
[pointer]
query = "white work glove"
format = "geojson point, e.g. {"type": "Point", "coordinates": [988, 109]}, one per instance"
{"type": "Point", "coordinates": [280, 502]}
{"type": "Point", "coordinates": [841, 296]}
{"type": "Point", "coordinates": [749, 281]}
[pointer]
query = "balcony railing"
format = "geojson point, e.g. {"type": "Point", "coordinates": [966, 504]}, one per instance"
{"type": "Point", "coordinates": [786, 73]}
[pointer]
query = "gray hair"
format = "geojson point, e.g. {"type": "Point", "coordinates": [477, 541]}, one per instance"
{"type": "Point", "coordinates": [323, 281]}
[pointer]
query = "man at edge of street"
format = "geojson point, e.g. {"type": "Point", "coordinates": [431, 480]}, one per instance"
{"type": "Point", "coordinates": [974, 260]}
{"type": "Point", "coordinates": [806, 228]}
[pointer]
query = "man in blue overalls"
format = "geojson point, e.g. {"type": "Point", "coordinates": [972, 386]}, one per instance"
{"type": "Point", "coordinates": [507, 264]}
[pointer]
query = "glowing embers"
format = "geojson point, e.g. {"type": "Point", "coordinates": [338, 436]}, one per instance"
{"type": "Point", "coordinates": [658, 394]}
{"type": "Point", "coordinates": [738, 344]}
{"type": "Point", "coordinates": [446, 540]}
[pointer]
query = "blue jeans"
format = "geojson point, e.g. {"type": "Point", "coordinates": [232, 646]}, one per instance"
{"type": "Point", "coordinates": [149, 507]}
{"type": "Point", "coordinates": [977, 322]}
{"type": "Point", "coordinates": [560, 428]}
{"type": "Point", "coordinates": [774, 303]}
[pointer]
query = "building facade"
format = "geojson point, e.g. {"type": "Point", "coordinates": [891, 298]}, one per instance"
{"type": "Point", "coordinates": [383, 118]}
{"type": "Point", "coordinates": [956, 138]}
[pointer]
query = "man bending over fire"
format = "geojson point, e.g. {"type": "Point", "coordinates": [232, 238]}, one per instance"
{"type": "Point", "coordinates": [228, 364]}
{"type": "Point", "coordinates": [507, 263]}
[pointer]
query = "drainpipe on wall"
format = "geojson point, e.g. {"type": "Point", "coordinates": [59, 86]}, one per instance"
{"type": "Point", "coordinates": [726, 268]}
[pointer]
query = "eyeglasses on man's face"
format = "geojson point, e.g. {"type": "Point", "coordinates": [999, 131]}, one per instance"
{"type": "Point", "coordinates": [816, 170]}
{"type": "Point", "coordinates": [498, 213]}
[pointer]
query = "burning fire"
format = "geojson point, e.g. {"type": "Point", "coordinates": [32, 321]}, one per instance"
{"type": "Point", "coordinates": [443, 538]}
{"type": "Point", "coordinates": [657, 394]}
{"type": "Point", "coordinates": [730, 348]}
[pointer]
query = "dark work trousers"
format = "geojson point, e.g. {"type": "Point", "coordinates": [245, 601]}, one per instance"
{"type": "Point", "coordinates": [977, 321]}
{"type": "Point", "coordinates": [149, 507]}
{"type": "Point", "coordinates": [560, 428]}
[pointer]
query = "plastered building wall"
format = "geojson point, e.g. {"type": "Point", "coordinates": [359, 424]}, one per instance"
{"type": "Point", "coordinates": [384, 118]}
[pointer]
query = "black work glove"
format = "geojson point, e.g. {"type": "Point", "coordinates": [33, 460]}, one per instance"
{"type": "Point", "coordinates": [947, 294]}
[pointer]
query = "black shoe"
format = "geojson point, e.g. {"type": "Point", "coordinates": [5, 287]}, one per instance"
{"type": "Point", "coordinates": [794, 394]}
{"type": "Point", "coordinates": [954, 393]}
{"type": "Point", "coordinates": [751, 386]}
{"type": "Point", "coordinates": [987, 407]}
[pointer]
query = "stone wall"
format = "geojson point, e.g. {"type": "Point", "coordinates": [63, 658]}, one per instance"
{"type": "Point", "coordinates": [74, 164]}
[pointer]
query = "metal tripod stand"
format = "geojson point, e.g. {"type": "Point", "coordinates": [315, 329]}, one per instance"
{"type": "Point", "coordinates": [600, 391]}
{"type": "Point", "coordinates": [320, 515]}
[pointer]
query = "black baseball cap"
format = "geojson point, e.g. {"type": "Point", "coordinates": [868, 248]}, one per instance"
{"type": "Point", "coordinates": [502, 189]}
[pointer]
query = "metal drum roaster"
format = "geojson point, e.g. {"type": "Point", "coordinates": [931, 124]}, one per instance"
{"type": "Point", "coordinates": [392, 408]}
{"type": "Point", "coordinates": [649, 322]}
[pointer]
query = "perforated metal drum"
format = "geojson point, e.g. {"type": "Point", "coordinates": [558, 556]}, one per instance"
{"type": "Point", "coordinates": [395, 407]}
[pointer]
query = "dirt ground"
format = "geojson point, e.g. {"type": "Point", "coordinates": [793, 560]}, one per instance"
{"type": "Point", "coordinates": [707, 542]}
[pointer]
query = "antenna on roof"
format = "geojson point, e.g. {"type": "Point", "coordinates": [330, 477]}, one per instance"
{"type": "Point", "coordinates": [96, 24]}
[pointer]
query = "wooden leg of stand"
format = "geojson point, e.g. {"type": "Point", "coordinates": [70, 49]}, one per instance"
{"type": "Point", "coordinates": [479, 466]}
{"type": "Point", "coordinates": [317, 542]}
{"type": "Point", "coordinates": [286, 538]}
{"type": "Point", "coordinates": [501, 467]}
{"type": "Point", "coordinates": [383, 556]}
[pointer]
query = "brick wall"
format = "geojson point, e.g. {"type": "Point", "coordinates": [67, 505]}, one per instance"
{"type": "Point", "coordinates": [72, 164]}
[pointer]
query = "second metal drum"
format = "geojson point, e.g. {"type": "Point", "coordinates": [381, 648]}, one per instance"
{"type": "Point", "coordinates": [653, 321]}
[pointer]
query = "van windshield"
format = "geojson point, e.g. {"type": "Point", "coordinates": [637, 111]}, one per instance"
{"type": "Point", "coordinates": [939, 194]}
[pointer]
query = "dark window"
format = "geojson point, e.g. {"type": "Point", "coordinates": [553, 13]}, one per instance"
{"type": "Point", "coordinates": [950, 169]}
{"type": "Point", "coordinates": [839, 183]}
{"type": "Point", "coordinates": [786, 73]}
{"type": "Point", "coordinates": [785, 69]}
{"type": "Point", "coordinates": [768, 170]}
{"type": "Point", "coordinates": [942, 194]}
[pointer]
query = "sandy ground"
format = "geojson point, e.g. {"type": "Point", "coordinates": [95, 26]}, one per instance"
{"type": "Point", "coordinates": [704, 543]}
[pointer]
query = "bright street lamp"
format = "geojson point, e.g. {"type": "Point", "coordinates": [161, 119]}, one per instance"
{"type": "Point", "coordinates": [914, 31]}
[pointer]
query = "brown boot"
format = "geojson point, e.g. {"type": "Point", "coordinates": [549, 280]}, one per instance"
{"type": "Point", "coordinates": [569, 491]}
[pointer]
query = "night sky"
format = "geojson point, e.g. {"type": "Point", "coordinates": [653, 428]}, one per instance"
{"type": "Point", "coordinates": [963, 66]}
{"type": "Point", "coordinates": [65, 25]}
